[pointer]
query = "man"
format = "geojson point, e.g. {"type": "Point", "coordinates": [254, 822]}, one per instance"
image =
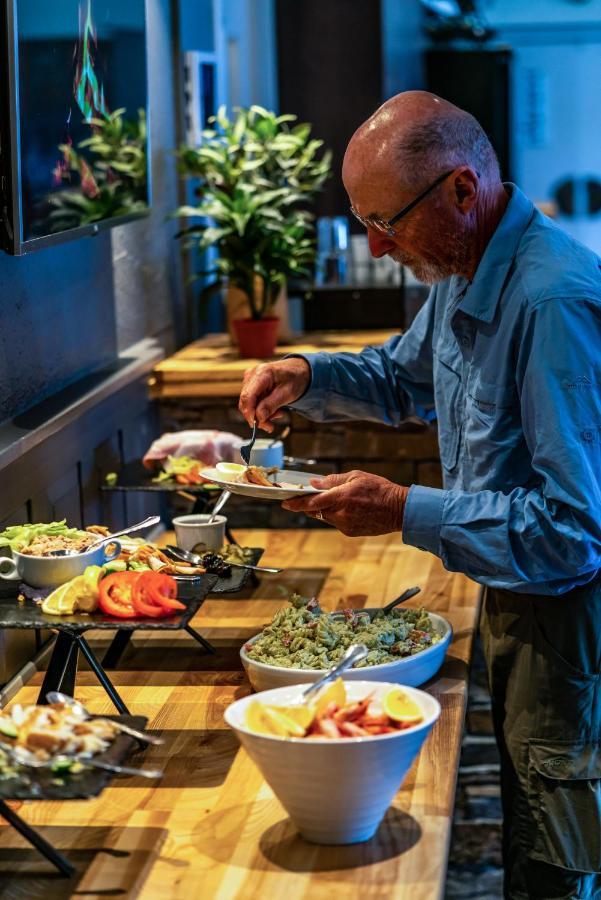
{"type": "Point", "coordinates": [507, 350]}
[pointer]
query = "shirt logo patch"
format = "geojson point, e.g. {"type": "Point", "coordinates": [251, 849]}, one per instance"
{"type": "Point", "coordinates": [582, 381]}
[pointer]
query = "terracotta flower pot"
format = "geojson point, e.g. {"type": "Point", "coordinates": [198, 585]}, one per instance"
{"type": "Point", "coordinates": [238, 307]}
{"type": "Point", "coordinates": [257, 338]}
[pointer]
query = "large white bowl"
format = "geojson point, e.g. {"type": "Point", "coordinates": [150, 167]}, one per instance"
{"type": "Point", "coordinates": [409, 670]}
{"type": "Point", "coordinates": [335, 791]}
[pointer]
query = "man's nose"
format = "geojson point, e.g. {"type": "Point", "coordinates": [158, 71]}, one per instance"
{"type": "Point", "coordinates": [379, 244]}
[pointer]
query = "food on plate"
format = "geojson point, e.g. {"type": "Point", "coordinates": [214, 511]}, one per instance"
{"type": "Point", "coordinates": [80, 594]}
{"type": "Point", "coordinates": [331, 715]}
{"type": "Point", "coordinates": [42, 538]}
{"type": "Point", "coordinates": [258, 475]}
{"type": "Point", "coordinates": [30, 735]}
{"type": "Point", "coordinates": [207, 446]}
{"type": "Point", "coordinates": [301, 636]}
{"type": "Point", "coordinates": [129, 595]}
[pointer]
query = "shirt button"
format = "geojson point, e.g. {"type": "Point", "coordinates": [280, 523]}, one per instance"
{"type": "Point", "coordinates": [465, 341]}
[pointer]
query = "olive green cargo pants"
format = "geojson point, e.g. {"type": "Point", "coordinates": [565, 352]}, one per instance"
{"type": "Point", "coordinates": [544, 667]}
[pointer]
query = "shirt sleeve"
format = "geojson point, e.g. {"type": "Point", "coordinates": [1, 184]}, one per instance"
{"type": "Point", "coordinates": [381, 384]}
{"type": "Point", "coordinates": [546, 537]}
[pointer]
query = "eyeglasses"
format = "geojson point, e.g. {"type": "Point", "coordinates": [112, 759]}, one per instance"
{"type": "Point", "coordinates": [386, 227]}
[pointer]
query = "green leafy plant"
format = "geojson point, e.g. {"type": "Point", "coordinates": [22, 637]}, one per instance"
{"type": "Point", "coordinates": [108, 171]}
{"type": "Point", "coordinates": [256, 173]}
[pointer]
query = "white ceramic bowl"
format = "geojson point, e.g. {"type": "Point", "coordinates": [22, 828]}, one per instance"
{"type": "Point", "coordinates": [409, 670]}
{"type": "Point", "coordinates": [335, 791]}
{"type": "Point", "coordinates": [51, 571]}
{"type": "Point", "coordinates": [195, 531]}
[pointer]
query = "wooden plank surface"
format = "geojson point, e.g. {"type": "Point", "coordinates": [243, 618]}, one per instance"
{"type": "Point", "coordinates": [212, 828]}
{"type": "Point", "coordinates": [210, 367]}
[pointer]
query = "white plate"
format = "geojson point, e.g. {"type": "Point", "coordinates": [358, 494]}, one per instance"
{"type": "Point", "coordinates": [266, 493]}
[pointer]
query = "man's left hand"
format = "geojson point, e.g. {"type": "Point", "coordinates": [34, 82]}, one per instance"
{"type": "Point", "coordinates": [356, 503]}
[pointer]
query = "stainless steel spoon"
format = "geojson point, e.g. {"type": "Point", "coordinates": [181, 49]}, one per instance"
{"type": "Point", "coordinates": [219, 505]}
{"type": "Point", "coordinates": [104, 539]}
{"type": "Point", "coordinates": [196, 560]}
{"type": "Point", "coordinates": [353, 654]}
{"type": "Point", "coordinates": [122, 770]}
{"type": "Point", "coordinates": [245, 449]}
{"type": "Point", "coordinates": [77, 707]}
{"type": "Point", "coordinates": [406, 595]}
{"type": "Point", "coordinates": [84, 760]}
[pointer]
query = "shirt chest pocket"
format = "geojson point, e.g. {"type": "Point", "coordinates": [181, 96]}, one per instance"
{"type": "Point", "coordinates": [492, 413]}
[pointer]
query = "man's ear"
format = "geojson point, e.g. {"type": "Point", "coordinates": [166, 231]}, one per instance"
{"type": "Point", "coordinates": [465, 185]}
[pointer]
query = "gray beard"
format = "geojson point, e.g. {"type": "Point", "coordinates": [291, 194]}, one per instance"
{"type": "Point", "coordinates": [426, 272]}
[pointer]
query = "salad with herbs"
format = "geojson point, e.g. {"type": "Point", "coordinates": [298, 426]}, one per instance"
{"type": "Point", "coordinates": [302, 636]}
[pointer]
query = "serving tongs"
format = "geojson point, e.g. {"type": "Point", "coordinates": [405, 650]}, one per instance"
{"type": "Point", "coordinates": [79, 709]}
{"type": "Point", "coordinates": [107, 538]}
{"type": "Point", "coordinates": [354, 654]}
{"type": "Point", "coordinates": [384, 610]}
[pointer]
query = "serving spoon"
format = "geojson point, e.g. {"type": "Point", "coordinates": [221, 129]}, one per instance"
{"type": "Point", "coordinates": [107, 538]}
{"type": "Point", "coordinates": [354, 654]}
{"type": "Point", "coordinates": [196, 560]}
{"type": "Point", "coordinates": [384, 610]}
{"type": "Point", "coordinates": [79, 709]}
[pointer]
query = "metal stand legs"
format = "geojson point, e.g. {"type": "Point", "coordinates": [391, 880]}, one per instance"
{"type": "Point", "coordinates": [36, 840]}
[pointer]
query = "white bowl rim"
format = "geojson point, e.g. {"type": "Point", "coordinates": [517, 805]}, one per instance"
{"type": "Point", "coordinates": [428, 722]}
{"type": "Point", "coordinates": [445, 639]}
{"type": "Point", "coordinates": [184, 521]}
{"type": "Point", "coordinates": [57, 558]}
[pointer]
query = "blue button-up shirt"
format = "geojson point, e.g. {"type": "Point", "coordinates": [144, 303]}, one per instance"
{"type": "Point", "coordinates": [511, 362]}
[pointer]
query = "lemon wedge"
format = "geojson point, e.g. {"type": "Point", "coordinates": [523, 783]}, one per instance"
{"type": "Point", "coordinates": [271, 720]}
{"type": "Point", "coordinates": [303, 715]}
{"type": "Point", "coordinates": [54, 604]}
{"type": "Point", "coordinates": [334, 693]}
{"type": "Point", "coordinates": [230, 471]}
{"type": "Point", "coordinates": [400, 707]}
{"type": "Point", "coordinates": [80, 593]}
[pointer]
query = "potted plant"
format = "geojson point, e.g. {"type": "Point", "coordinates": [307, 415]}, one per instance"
{"type": "Point", "coordinates": [256, 174]}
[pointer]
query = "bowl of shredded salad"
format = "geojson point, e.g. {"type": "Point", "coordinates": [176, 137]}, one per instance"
{"type": "Point", "coordinates": [406, 646]}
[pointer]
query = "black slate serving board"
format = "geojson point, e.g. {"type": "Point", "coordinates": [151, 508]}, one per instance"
{"type": "Point", "coordinates": [42, 784]}
{"type": "Point", "coordinates": [239, 577]}
{"type": "Point", "coordinates": [134, 477]}
{"type": "Point", "coordinates": [28, 614]}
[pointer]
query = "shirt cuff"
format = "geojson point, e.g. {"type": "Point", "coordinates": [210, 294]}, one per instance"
{"type": "Point", "coordinates": [312, 401]}
{"type": "Point", "coordinates": [422, 518]}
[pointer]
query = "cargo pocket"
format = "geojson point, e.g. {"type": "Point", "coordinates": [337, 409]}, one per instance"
{"type": "Point", "coordinates": [564, 788]}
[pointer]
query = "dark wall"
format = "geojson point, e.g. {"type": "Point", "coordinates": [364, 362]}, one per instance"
{"type": "Point", "coordinates": [330, 74]}
{"type": "Point", "coordinates": [67, 310]}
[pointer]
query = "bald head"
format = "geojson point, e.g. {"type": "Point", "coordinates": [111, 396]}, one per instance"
{"type": "Point", "coordinates": [415, 136]}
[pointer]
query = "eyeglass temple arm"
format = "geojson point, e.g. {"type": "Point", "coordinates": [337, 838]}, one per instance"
{"type": "Point", "coordinates": [420, 197]}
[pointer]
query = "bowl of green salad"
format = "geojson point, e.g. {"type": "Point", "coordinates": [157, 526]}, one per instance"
{"type": "Point", "coordinates": [406, 646]}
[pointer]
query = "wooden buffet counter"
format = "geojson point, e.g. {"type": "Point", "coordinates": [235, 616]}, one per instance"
{"type": "Point", "coordinates": [211, 367]}
{"type": "Point", "coordinates": [212, 828]}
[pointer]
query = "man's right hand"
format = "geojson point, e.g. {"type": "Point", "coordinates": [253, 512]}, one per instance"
{"type": "Point", "coordinates": [270, 386]}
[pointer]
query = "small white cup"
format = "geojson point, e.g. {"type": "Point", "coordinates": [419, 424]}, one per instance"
{"type": "Point", "coordinates": [190, 531]}
{"type": "Point", "coordinates": [262, 454]}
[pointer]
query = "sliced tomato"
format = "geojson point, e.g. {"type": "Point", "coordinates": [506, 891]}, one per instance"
{"type": "Point", "coordinates": [155, 594]}
{"type": "Point", "coordinates": [116, 594]}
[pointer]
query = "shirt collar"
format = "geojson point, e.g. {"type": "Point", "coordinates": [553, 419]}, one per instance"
{"type": "Point", "coordinates": [482, 295]}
